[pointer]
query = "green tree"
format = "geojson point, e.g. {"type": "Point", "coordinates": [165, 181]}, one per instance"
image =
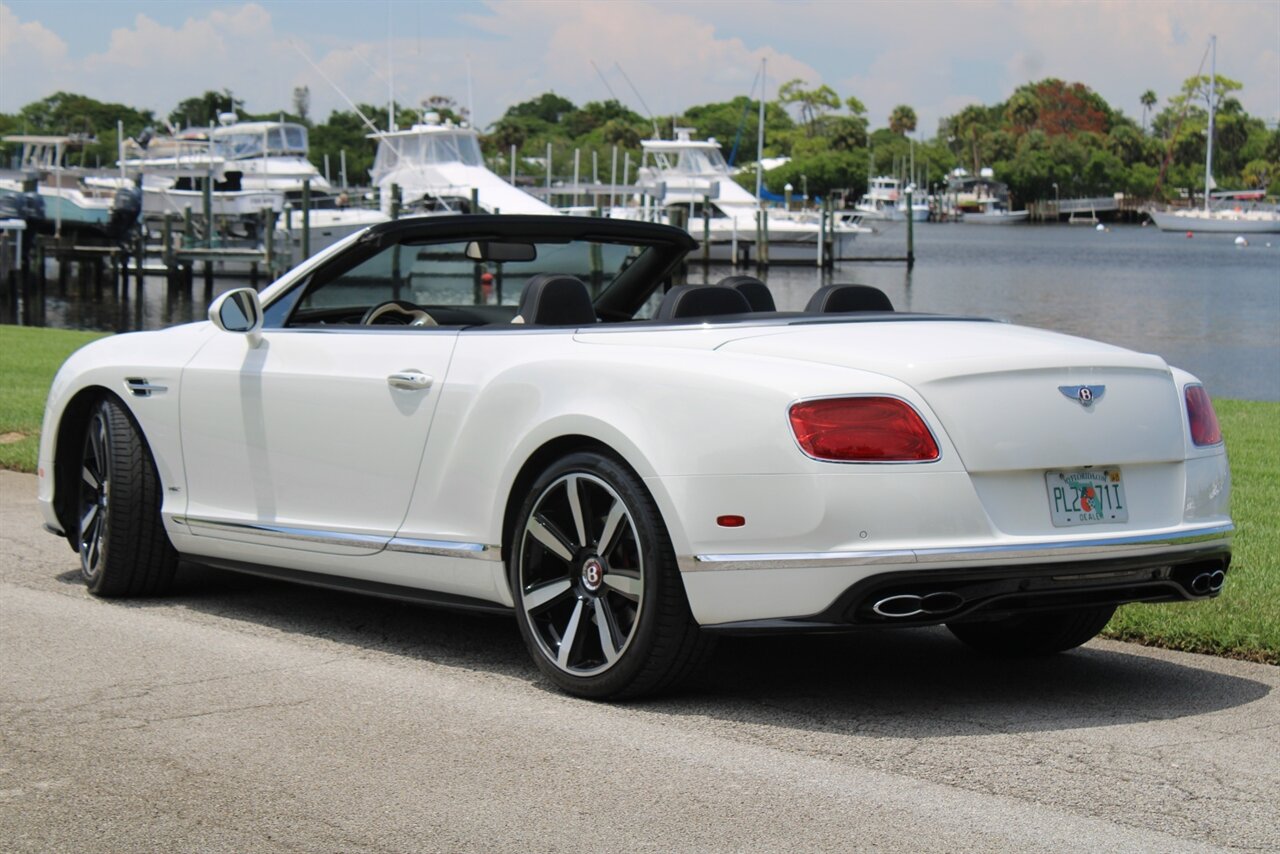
{"type": "Point", "coordinates": [902, 120]}
{"type": "Point", "coordinates": [203, 110]}
{"type": "Point", "coordinates": [1148, 100]}
{"type": "Point", "coordinates": [813, 103]}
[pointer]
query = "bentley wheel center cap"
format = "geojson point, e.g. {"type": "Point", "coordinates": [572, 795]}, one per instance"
{"type": "Point", "coordinates": [592, 574]}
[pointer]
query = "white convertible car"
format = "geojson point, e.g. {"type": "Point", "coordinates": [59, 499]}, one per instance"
{"type": "Point", "coordinates": [631, 465]}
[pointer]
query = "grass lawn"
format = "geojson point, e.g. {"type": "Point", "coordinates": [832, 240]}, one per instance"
{"type": "Point", "coordinates": [1242, 623]}
{"type": "Point", "coordinates": [29, 358]}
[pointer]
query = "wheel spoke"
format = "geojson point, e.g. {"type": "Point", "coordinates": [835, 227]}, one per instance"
{"type": "Point", "coordinates": [627, 585]}
{"type": "Point", "coordinates": [550, 538]}
{"type": "Point", "coordinates": [608, 631]}
{"type": "Point", "coordinates": [575, 507]}
{"type": "Point", "coordinates": [570, 636]}
{"type": "Point", "coordinates": [88, 519]}
{"type": "Point", "coordinates": [90, 477]}
{"type": "Point", "coordinates": [617, 513]}
{"type": "Point", "coordinates": [545, 594]}
{"type": "Point", "coordinates": [98, 442]}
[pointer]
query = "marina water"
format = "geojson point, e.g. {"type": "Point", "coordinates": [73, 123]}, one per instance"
{"type": "Point", "coordinates": [1202, 303]}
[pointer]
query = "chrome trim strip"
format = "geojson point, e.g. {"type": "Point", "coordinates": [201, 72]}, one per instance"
{"type": "Point", "coordinates": [445, 548]}
{"type": "Point", "coordinates": [285, 532]}
{"type": "Point", "coordinates": [1098, 547]}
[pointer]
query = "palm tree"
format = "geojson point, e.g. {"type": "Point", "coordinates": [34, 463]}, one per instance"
{"type": "Point", "coordinates": [902, 120]}
{"type": "Point", "coordinates": [1148, 100]}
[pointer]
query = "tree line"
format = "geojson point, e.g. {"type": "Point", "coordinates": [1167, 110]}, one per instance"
{"type": "Point", "coordinates": [1048, 138]}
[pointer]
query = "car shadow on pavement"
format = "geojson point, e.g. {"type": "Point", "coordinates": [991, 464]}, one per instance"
{"type": "Point", "coordinates": [913, 683]}
{"type": "Point", "coordinates": [923, 683]}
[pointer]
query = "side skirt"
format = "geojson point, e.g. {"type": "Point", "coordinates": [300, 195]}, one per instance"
{"type": "Point", "coordinates": [356, 585]}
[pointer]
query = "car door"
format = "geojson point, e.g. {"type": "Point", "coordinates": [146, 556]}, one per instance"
{"type": "Point", "coordinates": [314, 437]}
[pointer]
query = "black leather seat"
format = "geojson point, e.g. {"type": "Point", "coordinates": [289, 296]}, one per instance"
{"type": "Point", "coordinates": [684, 301]}
{"type": "Point", "coordinates": [554, 299]}
{"type": "Point", "coordinates": [756, 291]}
{"type": "Point", "coordinates": [834, 299]}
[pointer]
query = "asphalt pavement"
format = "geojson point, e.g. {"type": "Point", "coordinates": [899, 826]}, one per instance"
{"type": "Point", "coordinates": [243, 715]}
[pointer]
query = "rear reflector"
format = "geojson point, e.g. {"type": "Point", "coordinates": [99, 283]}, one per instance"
{"type": "Point", "coordinates": [731, 521]}
{"type": "Point", "coordinates": [1202, 418]}
{"type": "Point", "coordinates": [862, 429]}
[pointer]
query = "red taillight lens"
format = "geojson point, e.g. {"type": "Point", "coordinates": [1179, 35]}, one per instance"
{"type": "Point", "coordinates": [862, 429]}
{"type": "Point", "coordinates": [1204, 421]}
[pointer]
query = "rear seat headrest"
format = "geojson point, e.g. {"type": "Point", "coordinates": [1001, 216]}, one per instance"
{"type": "Point", "coordinates": [756, 291]}
{"type": "Point", "coordinates": [831, 299]}
{"type": "Point", "coordinates": [701, 301]}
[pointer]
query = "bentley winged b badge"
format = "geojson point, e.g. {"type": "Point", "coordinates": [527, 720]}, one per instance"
{"type": "Point", "coordinates": [1085, 395]}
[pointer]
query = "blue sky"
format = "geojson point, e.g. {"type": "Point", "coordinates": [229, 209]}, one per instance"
{"type": "Point", "coordinates": [935, 56]}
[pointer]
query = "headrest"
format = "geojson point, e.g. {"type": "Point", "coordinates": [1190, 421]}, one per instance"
{"type": "Point", "coordinates": [554, 299]}
{"type": "Point", "coordinates": [756, 291]}
{"type": "Point", "coordinates": [840, 298]}
{"type": "Point", "coordinates": [701, 301]}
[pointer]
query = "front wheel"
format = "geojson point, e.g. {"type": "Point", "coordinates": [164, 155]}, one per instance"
{"type": "Point", "coordinates": [599, 598]}
{"type": "Point", "coordinates": [1040, 633]}
{"type": "Point", "coordinates": [124, 550]}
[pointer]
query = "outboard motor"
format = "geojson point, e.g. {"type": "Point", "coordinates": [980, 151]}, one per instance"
{"type": "Point", "coordinates": [125, 210]}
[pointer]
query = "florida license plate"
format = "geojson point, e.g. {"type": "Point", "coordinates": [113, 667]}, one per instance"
{"type": "Point", "coordinates": [1086, 497]}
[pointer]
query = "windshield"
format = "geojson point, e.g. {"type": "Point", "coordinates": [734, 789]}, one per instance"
{"type": "Point", "coordinates": [272, 141]}
{"type": "Point", "coordinates": [427, 149]}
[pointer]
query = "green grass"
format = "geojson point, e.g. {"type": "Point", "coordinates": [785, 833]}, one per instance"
{"type": "Point", "coordinates": [28, 360]}
{"type": "Point", "coordinates": [1244, 622]}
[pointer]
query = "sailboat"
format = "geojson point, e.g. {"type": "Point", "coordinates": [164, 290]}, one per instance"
{"type": "Point", "coordinates": [1233, 220]}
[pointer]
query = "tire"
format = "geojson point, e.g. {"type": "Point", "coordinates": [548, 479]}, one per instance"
{"type": "Point", "coordinates": [124, 550]}
{"type": "Point", "coordinates": [1040, 633]}
{"type": "Point", "coordinates": [598, 595]}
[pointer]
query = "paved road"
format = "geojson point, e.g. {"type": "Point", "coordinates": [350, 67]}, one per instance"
{"type": "Point", "coordinates": [246, 715]}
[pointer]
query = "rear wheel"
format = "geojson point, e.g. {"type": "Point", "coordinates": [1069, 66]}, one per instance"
{"type": "Point", "coordinates": [599, 598]}
{"type": "Point", "coordinates": [1040, 633]}
{"type": "Point", "coordinates": [124, 550]}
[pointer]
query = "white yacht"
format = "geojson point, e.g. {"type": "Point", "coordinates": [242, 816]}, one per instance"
{"type": "Point", "coordinates": [886, 200]}
{"type": "Point", "coordinates": [438, 165]}
{"type": "Point", "coordinates": [981, 199]}
{"type": "Point", "coordinates": [689, 173]}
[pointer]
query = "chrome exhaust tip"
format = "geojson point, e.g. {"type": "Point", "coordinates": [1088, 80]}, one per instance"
{"type": "Point", "coordinates": [1208, 582]}
{"type": "Point", "coordinates": [906, 605]}
{"type": "Point", "coordinates": [1216, 579]}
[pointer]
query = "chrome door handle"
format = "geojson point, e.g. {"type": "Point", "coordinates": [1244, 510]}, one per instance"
{"type": "Point", "coordinates": [412, 380]}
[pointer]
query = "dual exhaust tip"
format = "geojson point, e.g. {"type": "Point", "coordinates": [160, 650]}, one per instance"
{"type": "Point", "coordinates": [1208, 582]}
{"type": "Point", "coordinates": [903, 605]}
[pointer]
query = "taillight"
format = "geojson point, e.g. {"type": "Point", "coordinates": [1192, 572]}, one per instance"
{"type": "Point", "coordinates": [1200, 414]}
{"type": "Point", "coordinates": [862, 429]}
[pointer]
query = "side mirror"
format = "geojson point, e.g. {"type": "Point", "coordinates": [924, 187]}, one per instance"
{"type": "Point", "coordinates": [238, 311]}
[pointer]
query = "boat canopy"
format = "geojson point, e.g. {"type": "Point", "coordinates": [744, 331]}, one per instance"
{"type": "Point", "coordinates": [246, 140]}
{"type": "Point", "coordinates": [432, 146]}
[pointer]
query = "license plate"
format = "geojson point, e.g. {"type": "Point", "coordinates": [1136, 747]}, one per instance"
{"type": "Point", "coordinates": [1086, 497]}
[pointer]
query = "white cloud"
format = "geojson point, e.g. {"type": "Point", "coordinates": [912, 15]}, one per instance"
{"type": "Point", "coordinates": [934, 56]}
{"type": "Point", "coordinates": [27, 46]}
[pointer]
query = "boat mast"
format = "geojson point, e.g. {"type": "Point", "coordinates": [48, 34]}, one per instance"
{"type": "Point", "coordinates": [760, 137]}
{"type": "Point", "coordinates": [1208, 157]}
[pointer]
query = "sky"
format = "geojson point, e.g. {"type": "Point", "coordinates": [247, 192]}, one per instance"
{"type": "Point", "coordinates": [654, 56]}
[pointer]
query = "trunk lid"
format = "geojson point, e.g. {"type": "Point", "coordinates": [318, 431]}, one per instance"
{"type": "Point", "coordinates": [1006, 395]}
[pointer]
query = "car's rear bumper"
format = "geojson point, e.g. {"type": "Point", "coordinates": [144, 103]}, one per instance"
{"type": "Point", "coordinates": [831, 591]}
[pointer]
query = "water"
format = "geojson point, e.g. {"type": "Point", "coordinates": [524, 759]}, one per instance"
{"type": "Point", "coordinates": [1202, 303]}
